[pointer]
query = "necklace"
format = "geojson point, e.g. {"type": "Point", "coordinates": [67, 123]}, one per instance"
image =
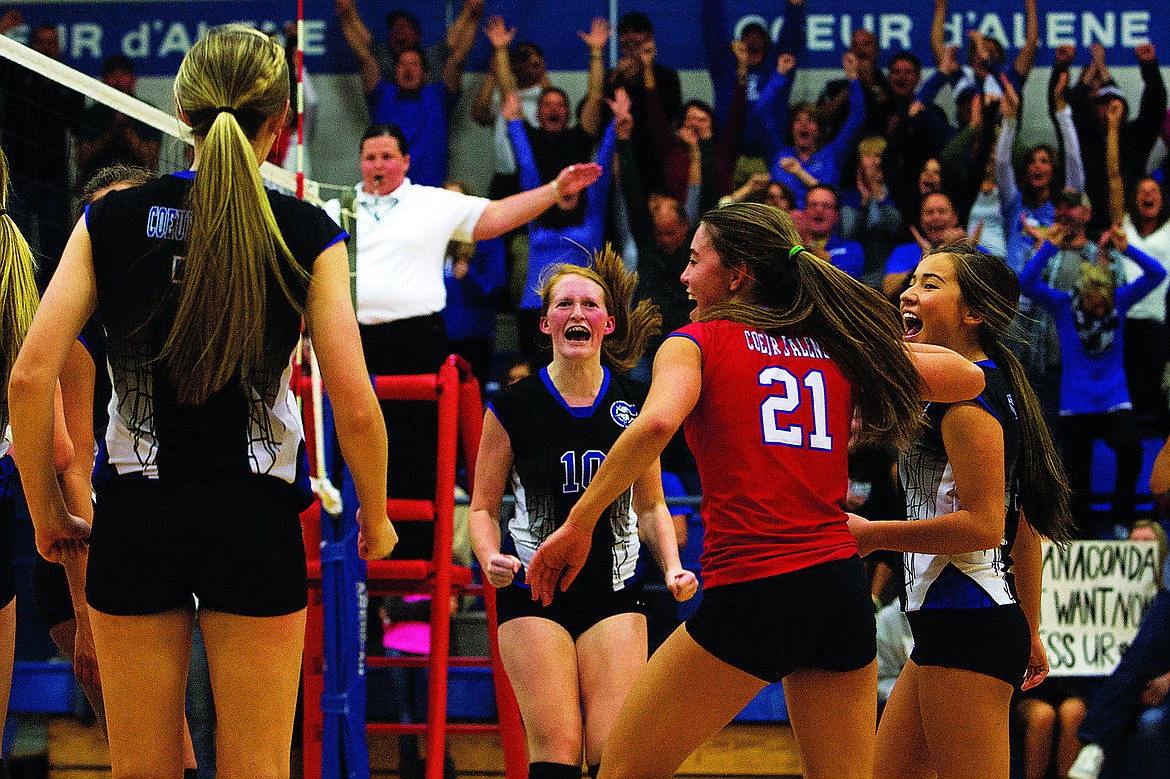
{"type": "Point", "coordinates": [378, 207]}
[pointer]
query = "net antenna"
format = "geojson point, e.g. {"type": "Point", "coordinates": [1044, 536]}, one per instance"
{"type": "Point", "coordinates": [162, 121]}
{"type": "Point", "coordinates": [300, 63]}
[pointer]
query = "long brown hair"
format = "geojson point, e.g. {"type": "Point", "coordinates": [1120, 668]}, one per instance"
{"type": "Point", "coordinates": [799, 292]}
{"type": "Point", "coordinates": [230, 85]}
{"type": "Point", "coordinates": [634, 325]}
{"type": "Point", "coordinates": [992, 289]}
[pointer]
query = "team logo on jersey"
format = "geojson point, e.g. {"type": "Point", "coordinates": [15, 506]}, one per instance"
{"type": "Point", "coordinates": [623, 413]}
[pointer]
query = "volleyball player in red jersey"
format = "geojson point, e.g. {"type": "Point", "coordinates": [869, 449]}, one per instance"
{"type": "Point", "coordinates": [781, 348]}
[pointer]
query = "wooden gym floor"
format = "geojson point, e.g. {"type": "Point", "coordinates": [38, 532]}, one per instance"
{"type": "Point", "coordinates": [76, 751]}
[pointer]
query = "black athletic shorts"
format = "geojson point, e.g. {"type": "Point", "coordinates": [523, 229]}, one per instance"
{"type": "Point", "coordinates": [818, 617]}
{"type": "Point", "coordinates": [234, 543]}
{"type": "Point", "coordinates": [7, 569]}
{"type": "Point", "coordinates": [51, 592]}
{"type": "Point", "coordinates": [576, 612]}
{"type": "Point", "coordinates": [994, 641]}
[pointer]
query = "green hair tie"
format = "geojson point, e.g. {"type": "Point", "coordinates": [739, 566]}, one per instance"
{"type": "Point", "coordinates": [795, 250]}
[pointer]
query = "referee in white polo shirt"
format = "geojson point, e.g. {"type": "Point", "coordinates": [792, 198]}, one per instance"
{"type": "Point", "coordinates": [401, 236]}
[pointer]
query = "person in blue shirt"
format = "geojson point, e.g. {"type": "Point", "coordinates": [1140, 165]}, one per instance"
{"type": "Point", "coordinates": [1032, 199]}
{"type": "Point", "coordinates": [986, 56]}
{"type": "Point", "coordinates": [422, 110]}
{"type": "Point", "coordinates": [761, 53]}
{"type": "Point", "coordinates": [804, 157]}
{"type": "Point", "coordinates": [822, 213]}
{"type": "Point", "coordinates": [1094, 399]}
{"type": "Point", "coordinates": [869, 214]}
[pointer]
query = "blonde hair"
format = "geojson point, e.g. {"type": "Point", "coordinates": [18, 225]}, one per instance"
{"type": "Point", "coordinates": [231, 83]}
{"type": "Point", "coordinates": [1094, 278]}
{"type": "Point", "coordinates": [797, 292]}
{"type": "Point", "coordinates": [872, 145]}
{"type": "Point", "coordinates": [634, 325]}
{"type": "Point", "coordinates": [18, 288]}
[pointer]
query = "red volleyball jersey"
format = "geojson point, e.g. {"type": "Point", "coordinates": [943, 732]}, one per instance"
{"type": "Point", "coordinates": [770, 434]}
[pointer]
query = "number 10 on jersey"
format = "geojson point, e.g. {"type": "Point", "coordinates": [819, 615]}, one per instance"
{"type": "Point", "coordinates": [579, 470]}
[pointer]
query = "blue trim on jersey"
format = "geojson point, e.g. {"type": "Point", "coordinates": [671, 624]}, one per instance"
{"type": "Point", "coordinates": [955, 590]}
{"type": "Point", "coordinates": [495, 413]}
{"type": "Point", "coordinates": [581, 412]}
{"type": "Point", "coordinates": [7, 473]}
{"type": "Point", "coordinates": [301, 478]}
{"type": "Point", "coordinates": [687, 336]}
{"type": "Point", "coordinates": [343, 236]}
{"type": "Point", "coordinates": [988, 363]}
{"type": "Point", "coordinates": [184, 174]}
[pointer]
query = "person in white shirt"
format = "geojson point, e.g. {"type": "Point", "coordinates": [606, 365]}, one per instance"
{"type": "Point", "coordinates": [401, 235]}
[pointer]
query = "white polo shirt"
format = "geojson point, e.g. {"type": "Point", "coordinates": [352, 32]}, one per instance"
{"type": "Point", "coordinates": [1157, 245]}
{"type": "Point", "coordinates": [401, 244]}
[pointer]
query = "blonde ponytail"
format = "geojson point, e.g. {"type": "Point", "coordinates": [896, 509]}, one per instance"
{"type": "Point", "coordinates": [18, 288]}
{"type": "Point", "coordinates": [231, 85]}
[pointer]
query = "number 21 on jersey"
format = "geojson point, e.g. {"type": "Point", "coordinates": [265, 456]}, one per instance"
{"type": "Point", "coordinates": [786, 400]}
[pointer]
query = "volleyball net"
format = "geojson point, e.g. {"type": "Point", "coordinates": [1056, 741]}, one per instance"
{"type": "Point", "coordinates": [58, 126]}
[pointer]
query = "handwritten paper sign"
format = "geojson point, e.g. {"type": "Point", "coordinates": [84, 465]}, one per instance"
{"type": "Point", "coordinates": [1095, 595]}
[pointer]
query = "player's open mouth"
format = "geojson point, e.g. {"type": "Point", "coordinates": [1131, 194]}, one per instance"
{"type": "Point", "coordinates": [912, 324]}
{"type": "Point", "coordinates": [576, 333]}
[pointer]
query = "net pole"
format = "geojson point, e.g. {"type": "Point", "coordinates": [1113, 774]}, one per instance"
{"type": "Point", "coordinates": [300, 61]}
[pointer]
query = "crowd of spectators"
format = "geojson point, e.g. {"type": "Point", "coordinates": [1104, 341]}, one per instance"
{"type": "Point", "coordinates": [882, 166]}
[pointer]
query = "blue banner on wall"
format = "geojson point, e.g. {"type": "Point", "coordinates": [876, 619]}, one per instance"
{"type": "Point", "coordinates": [157, 34]}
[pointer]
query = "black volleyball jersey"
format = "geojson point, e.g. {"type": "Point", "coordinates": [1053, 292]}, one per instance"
{"type": "Point", "coordinates": [556, 451]}
{"type": "Point", "coordinates": [974, 579]}
{"type": "Point", "coordinates": [139, 238]}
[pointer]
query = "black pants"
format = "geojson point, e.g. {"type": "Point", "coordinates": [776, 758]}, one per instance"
{"type": "Point", "coordinates": [1119, 431]}
{"type": "Point", "coordinates": [402, 348]}
{"type": "Point", "coordinates": [1146, 351]}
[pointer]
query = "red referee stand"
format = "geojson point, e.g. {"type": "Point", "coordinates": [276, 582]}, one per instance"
{"type": "Point", "coordinates": [340, 584]}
